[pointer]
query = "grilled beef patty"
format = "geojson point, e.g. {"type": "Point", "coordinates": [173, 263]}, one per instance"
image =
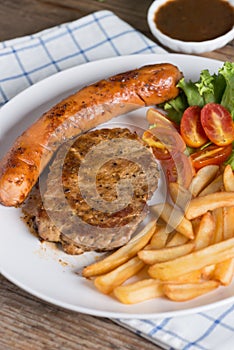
{"type": "Point", "coordinates": [96, 191]}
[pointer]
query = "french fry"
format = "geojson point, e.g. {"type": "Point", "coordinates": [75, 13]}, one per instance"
{"type": "Point", "coordinates": [180, 195]}
{"type": "Point", "coordinates": [196, 223]}
{"type": "Point", "coordinates": [190, 277]}
{"type": "Point", "coordinates": [210, 255]}
{"type": "Point", "coordinates": [207, 272]}
{"type": "Point", "coordinates": [224, 272]}
{"type": "Point", "coordinates": [200, 205]}
{"type": "Point", "coordinates": [139, 291]}
{"type": "Point", "coordinates": [228, 179]}
{"type": "Point", "coordinates": [151, 257]}
{"type": "Point", "coordinates": [228, 212]}
{"type": "Point", "coordinates": [218, 218]}
{"type": "Point", "coordinates": [174, 218]}
{"type": "Point", "coordinates": [215, 186]}
{"type": "Point", "coordinates": [123, 254]}
{"type": "Point", "coordinates": [205, 231]}
{"type": "Point", "coordinates": [228, 222]}
{"type": "Point", "coordinates": [106, 283]}
{"type": "Point", "coordinates": [202, 178]}
{"type": "Point", "coordinates": [177, 239]}
{"type": "Point", "coordinates": [184, 292]}
{"type": "Point", "coordinates": [159, 238]}
{"type": "Point", "coordinates": [187, 253]}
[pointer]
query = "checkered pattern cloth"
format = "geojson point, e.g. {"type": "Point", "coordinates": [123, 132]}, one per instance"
{"type": "Point", "coordinates": [210, 330]}
{"type": "Point", "coordinates": [26, 60]}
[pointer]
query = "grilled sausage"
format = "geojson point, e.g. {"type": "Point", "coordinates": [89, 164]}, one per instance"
{"type": "Point", "coordinates": [87, 108]}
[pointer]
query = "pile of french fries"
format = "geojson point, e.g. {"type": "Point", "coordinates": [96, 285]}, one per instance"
{"type": "Point", "coordinates": [184, 253]}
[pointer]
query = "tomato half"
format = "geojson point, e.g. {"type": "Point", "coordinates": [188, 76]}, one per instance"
{"type": "Point", "coordinates": [212, 154]}
{"type": "Point", "coordinates": [191, 128]}
{"type": "Point", "coordinates": [178, 169]}
{"type": "Point", "coordinates": [157, 118]}
{"type": "Point", "coordinates": [218, 124]}
{"type": "Point", "coordinates": [159, 149]}
{"type": "Point", "coordinates": [164, 141]}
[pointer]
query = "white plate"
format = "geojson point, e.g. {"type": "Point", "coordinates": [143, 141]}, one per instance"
{"type": "Point", "coordinates": [43, 270]}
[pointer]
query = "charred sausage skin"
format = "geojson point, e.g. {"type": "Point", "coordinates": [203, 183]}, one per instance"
{"type": "Point", "coordinates": [80, 112]}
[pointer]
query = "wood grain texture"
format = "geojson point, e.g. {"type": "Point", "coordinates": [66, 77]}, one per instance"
{"type": "Point", "coordinates": [35, 15]}
{"type": "Point", "coordinates": [26, 322]}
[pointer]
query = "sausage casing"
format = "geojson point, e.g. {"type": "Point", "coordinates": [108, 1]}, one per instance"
{"type": "Point", "coordinates": [82, 111]}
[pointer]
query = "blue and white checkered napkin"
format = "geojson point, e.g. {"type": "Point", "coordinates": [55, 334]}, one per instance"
{"type": "Point", "coordinates": [210, 330]}
{"type": "Point", "coordinates": [26, 60]}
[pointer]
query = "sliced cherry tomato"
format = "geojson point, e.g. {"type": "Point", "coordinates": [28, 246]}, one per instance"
{"type": "Point", "coordinates": [212, 154]}
{"type": "Point", "coordinates": [160, 151]}
{"type": "Point", "coordinates": [157, 118]}
{"type": "Point", "coordinates": [178, 169]}
{"type": "Point", "coordinates": [191, 128]}
{"type": "Point", "coordinates": [164, 141]}
{"type": "Point", "coordinates": [218, 124]}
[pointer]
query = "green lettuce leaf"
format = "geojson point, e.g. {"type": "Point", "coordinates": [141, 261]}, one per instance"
{"type": "Point", "coordinates": [210, 87]}
{"type": "Point", "coordinates": [227, 71]}
{"type": "Point", "coordinates": [191, 92]}
{"type": "Point", "coordinates": [175, 108]}
{"type": "Point", "coordinates": [230, 160]}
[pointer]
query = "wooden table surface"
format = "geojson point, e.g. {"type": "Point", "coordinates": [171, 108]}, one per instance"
{"type": "Point", "coordinates": [25, 321]}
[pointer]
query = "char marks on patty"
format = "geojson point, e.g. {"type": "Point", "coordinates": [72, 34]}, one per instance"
{"type": "Point", "coordinates": [96, 191]}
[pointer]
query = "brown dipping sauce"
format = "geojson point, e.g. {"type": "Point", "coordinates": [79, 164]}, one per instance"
{"type": "Point", "coordinates": [195, 20]}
